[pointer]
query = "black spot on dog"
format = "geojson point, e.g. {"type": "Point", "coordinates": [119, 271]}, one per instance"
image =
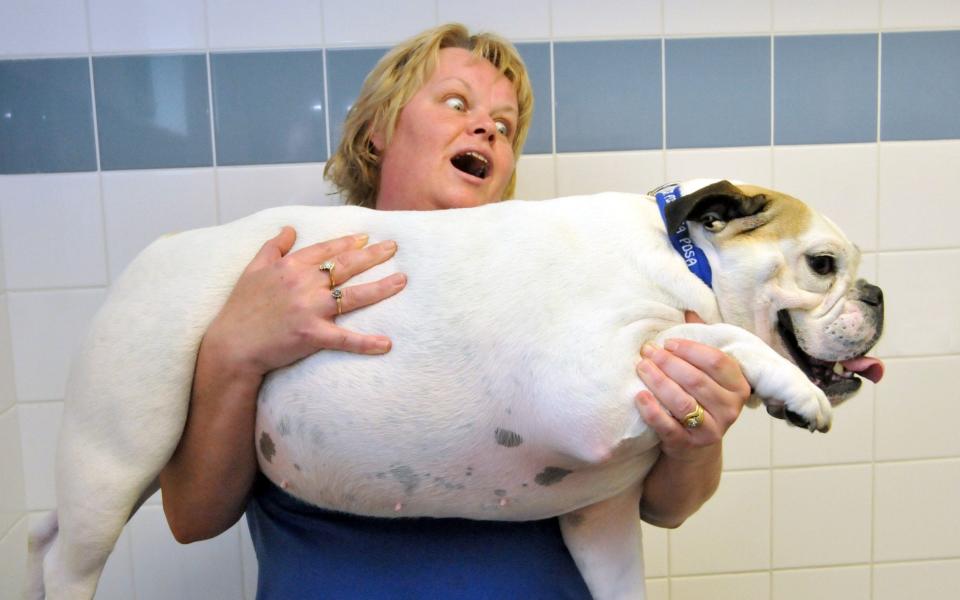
{"type": "Point", "coordinates": [297, 467]}
{"type": "Point", "coordinates": [284, 426]}
{"type": "Point", "coordinates": [267, 448]}
{"type": "Point", "coordinates": [500, 493]}
{"type": "Point", "coordinates": [508, 438]}
{"type": "Point", "coordinates": [551, 475]}
{"type": "Point", "coordinates": [407, 477]}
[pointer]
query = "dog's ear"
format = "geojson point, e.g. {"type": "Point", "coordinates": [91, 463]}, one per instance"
{"type": "Point", "coordinates": [714, 206]}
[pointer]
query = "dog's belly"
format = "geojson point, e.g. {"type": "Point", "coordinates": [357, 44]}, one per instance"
{"type": "Point", "coordinates": [462, 470]}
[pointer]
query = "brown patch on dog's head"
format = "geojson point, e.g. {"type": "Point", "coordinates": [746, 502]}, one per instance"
{"type": "Point", "coordinates": [747, 213]}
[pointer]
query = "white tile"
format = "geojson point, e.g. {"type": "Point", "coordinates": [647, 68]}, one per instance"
{"type": "Point", "coordinates": [141, 25]}
{"type": "Point", "coordinates": [376, 21]}
{"type": "Point", "coordinates": [8, 391]}
{"type": "Point", "coordinates": [838, 180]}
{"type": "Point", "coordinates": [814, 16]}
{"type": "Point", "coordinates": [918, 207]}
{"type": "Point", "coordinates": [11, 470]}
{"type": "Point", "coordinates": [755, 586]}
{"type": "Point", "coordinates": [606, 18]}
{"type": "Point", "coordinates": [840, 583]}
{"type": "Point", "coordinates": [258, 24]}
{"type": "Point", "coordinates": [13, 559]}
{"type": "Point", "coordinates": [594, 172]}
{"type": "Point", "coordinates": [46, 329]}
{"type": "Point", "coordinates": [747, 443]}
{"type": "Point", "coordinates": [536, 177]}
{"type": "Point", "coordinates": [52, 231]}
{"type": "Point", "coordinates": [246, 190]}
{"type": "Point", "coordinates": [513, 20]}
{"type": "Point", "coordinates": [849, 440]}
{"type": "Point", "coordinates": [920, 580]}
{"type": "Point", "coordinates": [920, 13]}
{"type": "Point", "coordinates": [38, 27]}
{"type": "Point", "coordinates": [748, 165]}
{"type": "Point", "coordinates": [658, 589]}
{"type": "Point", "coordinates": [39, 429]}
{"type": "Point", "coordinates": [248, 560]}
{"type": "Point", "coordinates": [912, 393]}
{"type": "Point", "coordinates": [116, 581]}
{"type": "Point", "coordinates": [655, 550]}
{"type": "Point", "coordinates": [821, 516]}
{"type": "Point", "coordinates": [141, 206]}
{"type": "Point", "coordinates": [731, 532]}
{"type": "Point", "coordinates": [921, 292]}
{"type": "Point", "coordinates": [164, 569]}
{"type": "Point", "coordinates": [916, 507]}
{"type": "Point", "coordinates": [718, 16]}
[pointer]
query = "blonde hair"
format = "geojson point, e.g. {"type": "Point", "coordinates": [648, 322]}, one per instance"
{"type": "Point", "coordinates": [355, 166]}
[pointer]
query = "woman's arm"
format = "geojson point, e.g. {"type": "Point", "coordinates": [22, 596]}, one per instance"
{"type": "Point", "coordinates": [687, 473]}
{"type": "Point", "coordinates": [279, 311]}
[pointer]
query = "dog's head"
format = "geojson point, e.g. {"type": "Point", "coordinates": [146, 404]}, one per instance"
{"type": "Point", "coordinates": [789, 275]}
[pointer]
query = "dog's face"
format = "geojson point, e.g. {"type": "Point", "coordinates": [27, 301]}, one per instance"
{"type": "Point", "coordinates": [789, 275]}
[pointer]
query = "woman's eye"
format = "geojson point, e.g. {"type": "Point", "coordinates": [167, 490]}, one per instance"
{"type": "Point", "coordinates": [503, 128]}
{"type": "Point", "coordinates": [456, 103]}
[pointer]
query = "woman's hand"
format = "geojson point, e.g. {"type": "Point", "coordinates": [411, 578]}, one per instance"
{"type": "Point", "coordinates": [678, 377]}
{"type": "Point", "coordinates": [282, 310]}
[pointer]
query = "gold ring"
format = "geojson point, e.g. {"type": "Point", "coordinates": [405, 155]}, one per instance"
{"type": "Point", "coordinates": [337, 294]}
{"type": "Point", "coordinates": [694, 419]}
{"type": "Point", "coordinates": [329, 266]}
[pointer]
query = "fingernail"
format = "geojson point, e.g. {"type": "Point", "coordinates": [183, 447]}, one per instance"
{"type": "Point", "coordinates": [390, 245]}
{"type": "Point", "coordinates": [381, 346]}
{"type": "Point", "coordinates": [648, 349]}
{"type": "Point", "coordinates": [671, 345]}
{"type": "Point", "coordinates": [398, 279]}
{"type": "Point", "coordinates": [361, 238]}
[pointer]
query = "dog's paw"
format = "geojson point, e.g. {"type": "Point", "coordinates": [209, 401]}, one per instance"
{"type": "Point", "coordinates": [808, 408]}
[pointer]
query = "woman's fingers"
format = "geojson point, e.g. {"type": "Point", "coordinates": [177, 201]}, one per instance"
{"type": "Point", "coordinates": [317, 254]}
{"type": "Point", "coordinates": [365, 294]}
{"type": "Point", "coordinates": [351, 262]}
{"type": "Point", "coordinates": [719, 366]}
{"type": "Point", "coordinates": [338, 338]}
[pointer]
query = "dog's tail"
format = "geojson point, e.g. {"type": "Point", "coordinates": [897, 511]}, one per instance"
{"type": "Point", "coordinates": [40, 539]}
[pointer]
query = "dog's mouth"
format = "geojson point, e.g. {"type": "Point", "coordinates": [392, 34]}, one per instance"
{"type": "Point", "coordinates": [838, 379]}
{"type": "Point", "coordinates": [472, 163]}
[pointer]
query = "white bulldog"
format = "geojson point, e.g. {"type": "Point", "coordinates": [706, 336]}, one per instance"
{"type": "Point", "coordinates": [509, 391]}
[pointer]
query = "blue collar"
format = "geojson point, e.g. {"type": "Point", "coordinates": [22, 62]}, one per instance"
{"type": "Point", "coordinates": [695, 258]}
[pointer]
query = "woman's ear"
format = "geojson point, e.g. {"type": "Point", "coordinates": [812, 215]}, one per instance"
{"type": "Point", "coordinates": [377, 139]}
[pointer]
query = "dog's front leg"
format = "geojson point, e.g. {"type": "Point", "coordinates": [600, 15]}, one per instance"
{"type": "Point", "coordinates": [605, 542]}
{"type": "Point", "coordinates": [776, 380]}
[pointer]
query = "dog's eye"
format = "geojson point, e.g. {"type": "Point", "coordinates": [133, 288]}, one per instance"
{"type": "Point", "coordinates": [822, 264]}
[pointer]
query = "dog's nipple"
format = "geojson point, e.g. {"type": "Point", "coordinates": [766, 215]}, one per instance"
{"type": "Point", "coordinates": [398, 507]}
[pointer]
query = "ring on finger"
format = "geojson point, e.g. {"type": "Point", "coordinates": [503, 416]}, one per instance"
{"type": "Point", "coordinates": [693, 419]}
{"type": "Point", "coordinates": [337, 294]}
{"type": "Point", "coordinates": [329, 266]}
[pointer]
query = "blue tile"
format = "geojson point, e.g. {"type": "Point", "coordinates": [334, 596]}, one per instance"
{"type": "Point", "coordinates": [825, 89]}
{"type": "Point", "coordinates": [537, 59]}
{"type": "Point", "coordinates": [46, 116]}
{"type": "Point", "coordinates": [718, 92]}
{"type": "Point", "coordinates": [608, 95]}
{"type": "Point", "coordinates": [920, 95]}
{"type": "Point", "coordinates": [346, 70]}
{"type": "Point", "coordinates": [153, 112]}
{"type": "Point", "coordinates": [269, 107]}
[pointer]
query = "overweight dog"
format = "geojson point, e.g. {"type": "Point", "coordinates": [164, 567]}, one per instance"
{"type": "Point", "coordinates": [509, 391]}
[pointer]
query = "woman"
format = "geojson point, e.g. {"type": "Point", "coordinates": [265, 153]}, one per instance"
{"type": "Point", "coordinates": [439, 124]}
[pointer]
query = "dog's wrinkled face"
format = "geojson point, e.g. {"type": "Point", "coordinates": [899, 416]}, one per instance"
{"type": "Point", "coordinates": [789, 275]}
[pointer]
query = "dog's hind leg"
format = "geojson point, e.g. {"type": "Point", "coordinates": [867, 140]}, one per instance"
{"type": "Point", "coordinates": [605, 542]}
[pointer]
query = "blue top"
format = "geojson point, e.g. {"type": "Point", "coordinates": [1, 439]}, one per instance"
{"type": "Point", "coordinates": [306, 552]}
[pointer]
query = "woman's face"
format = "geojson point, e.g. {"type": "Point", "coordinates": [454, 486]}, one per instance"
{"type": "Point", "coordinates": [452, 144]}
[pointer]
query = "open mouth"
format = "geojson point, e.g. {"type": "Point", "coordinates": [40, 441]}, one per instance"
{"type": "Point", "coordinates": [837, 379]}
{"type": "Point", "coordinates": [472, 163]}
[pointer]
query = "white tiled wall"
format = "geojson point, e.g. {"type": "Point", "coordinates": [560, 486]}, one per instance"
{"type": "Point", "coordinates": [868, 511]}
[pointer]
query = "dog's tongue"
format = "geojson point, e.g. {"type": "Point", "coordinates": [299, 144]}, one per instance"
{"type": "Point", "coordinates": [865, 366]}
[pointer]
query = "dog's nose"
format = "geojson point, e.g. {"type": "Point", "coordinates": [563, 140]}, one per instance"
{"type": "Point", "coordinates": [871, 294]}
